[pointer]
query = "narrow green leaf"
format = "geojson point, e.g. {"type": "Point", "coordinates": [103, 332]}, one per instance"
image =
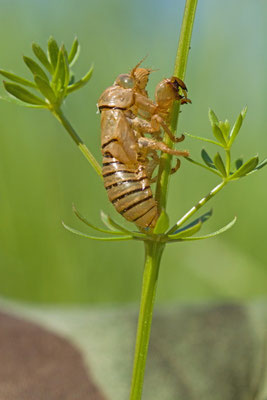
{"type": "Point", "coordinates": [53, 52]}
{"type": "Point", "coordinates": [82, 82]}
{"type": "Point", "coordinates": [74, 52]}
{"type": "Point", "coordinates": [246, 168]}
{"type": "Point", "coordinates": [106, 221]}
{"type": "Point", "coordinates": [60, 71]}
{"type": "Point", "coordinates": [17, 79]}
{"type": "Point", "coordinates": [42, 57]}
{"type": "Point", "coordinates": [224, 229]}
{"type": "Point", "coordinates": [225, 128]}
{"type": "Point", "coordinates": [203, 218]}
{"type": "Point", "coordinates": [261, 164]}
{"type": "Point", "coordinates": [162, 223]}
{"type": "Point", "coordinates": [83, 219]}
{"type": "Point", "coordinates": [66, 65]}
{"type": "Point", "coordinates": [111, 224]}
{"type": "Point", "coordinates": [238, 163]}
{"type": "Point", "coordinates": [35, 68]}
{"type": "Point", "coordinates": [46, 89]}
{"type": "Point", "coordinates": [237, 125]}
{"type": "Point", "coordinates": [117, 226]}
{"type": "Point", "coordinates": [14, 100]}
{"type": "Point", "coordinates": [71, 79]}
{"type": "Point", "coordinates": [244, 112]}
{"type": "Point", "coordinates": [186, 232]}
{"type": "Point", "coordinates": [203, 139]}
{"type": "Point", "coordinates": [22, 94]}
{"type": "Point", "coordinates": [206, 158]}
{"type": "Point", "coordinates": [214, 171]}
{"type": "Point", "coordinates": [220, 164]}
{"type": "Point", "coordinates": [107, 239]}
{"type": "Point", "coordinates": [213, 117]}
{"type": "Point", "coordinates": [218, 134]}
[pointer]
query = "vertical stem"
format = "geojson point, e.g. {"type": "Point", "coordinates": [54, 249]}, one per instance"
{"type": "Point", "coordinates": [154, 249]}
{"type": "Point", "coordinates": [179, 71]}
{"type": "Point", "coordinates": [153, 253]}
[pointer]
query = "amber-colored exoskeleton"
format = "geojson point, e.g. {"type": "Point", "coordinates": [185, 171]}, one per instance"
{"type": "Point", "coordinates": [130, 157]}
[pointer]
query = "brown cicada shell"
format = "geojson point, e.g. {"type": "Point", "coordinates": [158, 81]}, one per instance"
{"type": "Point", "coordinates": [129, 158]}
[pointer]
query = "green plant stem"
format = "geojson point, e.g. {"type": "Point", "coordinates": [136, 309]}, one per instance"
{"type": "Point", "coordinates": [84, 149]}
{"type": "Point", "coordinates": [153, 250]}
{"type": "Point", "coordinates": [228, 161]}
{"type": "Point", "coordinates": [200, 204]}
{"type": "Point", "coordinates": [153, 253]}
{"type": "Point", "coordinates": [179, 71]}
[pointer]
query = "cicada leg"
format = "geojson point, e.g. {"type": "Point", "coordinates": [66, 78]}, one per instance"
{"type": "Point", "coordinates": [157, 122]}
{"type": "Point", "coordinates": [154, 145]}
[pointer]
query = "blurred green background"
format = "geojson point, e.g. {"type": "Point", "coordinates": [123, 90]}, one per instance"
{"type": "Point", "coordinates": [42, 173]}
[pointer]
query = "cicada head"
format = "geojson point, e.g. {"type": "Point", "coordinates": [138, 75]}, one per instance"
{"type": "Point", "coordinates": [137, 79]}
{"type": "Point", "coordinates": [141, 76]}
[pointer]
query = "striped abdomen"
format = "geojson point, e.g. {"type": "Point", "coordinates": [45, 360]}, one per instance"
{"type": "Point", "coordinates": [130, 192]}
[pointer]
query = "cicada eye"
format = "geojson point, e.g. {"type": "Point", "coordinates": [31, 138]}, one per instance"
{"type": "Point", "coordinates": [125, 81]}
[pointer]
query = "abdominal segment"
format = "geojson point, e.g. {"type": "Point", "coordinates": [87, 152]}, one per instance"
{"type": "Point", "coordinates": [130, 192]}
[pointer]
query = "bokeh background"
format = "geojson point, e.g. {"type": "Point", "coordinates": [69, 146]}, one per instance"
{"type": "Point", "coordinates": [42, 173]}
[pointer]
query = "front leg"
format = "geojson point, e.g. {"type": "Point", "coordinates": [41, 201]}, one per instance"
{"type": "Point", "coordinates": [157, 121]}
{"type": "Point", "coordinates": [153, 127]}
{"type": "Point", "coordinates": [141, 126]}
{"type": "Point", "coordinates": [154, 145]}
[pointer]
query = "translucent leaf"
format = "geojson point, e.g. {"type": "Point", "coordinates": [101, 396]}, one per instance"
{"type": "Point", "coordinates": [244, 112]}
{"type": "Point", "coordinates": [60, 71]}
{"type": "Point", "coordinates": [187, 232]}
{"type": "Point", "coordinates": [238, 163]}
{"type": "Point", "coordinates": [206, 158]}
{"type": "Point", "coordinates": [45, 89]}
{"type": "Point", "coordinates": [225, 128]}
{"type": "Point", "coordinates": [203, 218]}
{"type": "Point", "coordinates": [220, 164]}
{"type": "Point", "coordinates": [42, 57]}
{"type": "Point", "coordinates": [203, 139]}
{"type": "Point", "coordinates": [83, 219]}
{"type": "Point", "coordinates": [115, 225]}
{"type": "Point", "coordinates": [237, 126]}
{"type": "Point", "coordinates": [20, 103]}
{"type": "Point", "coordinates": [162, 223]}
{"type": "Point", "coordinates": [17, 79]}
{"type": "Point", "coordinates": [224, 229]}
{"type": "Point", "coordinates": [82, 82]}
{"type": "Point", "coordinates": [261, 164]}
{"type": "Point", "coordinates": [53, 52]}
{"type": "Point", "coordinates": [214, 171]}
{"type": "Point", "coordinates": [106, 221]}
{"type": "Point", "coordinates": [35, 68]}
{"type": "Point", "coordinates": [22, 94]}
{"type": "Point", "coordinates": [111, 224]}
{"type": "Point", "coordinates": [74, 52]}
{"type": "Point", "coordinates": [72, 78]}
{"type": "Point", "coordinates": [213, 117]}
{"type": "Point", "coordinates": [66, 65]}
{"type": "Point", "coordinates": [108, 239]}
{"type": "Point", "coordinates": [218, 134]}
{"type": "Point", "coordinates": [246, 168]}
